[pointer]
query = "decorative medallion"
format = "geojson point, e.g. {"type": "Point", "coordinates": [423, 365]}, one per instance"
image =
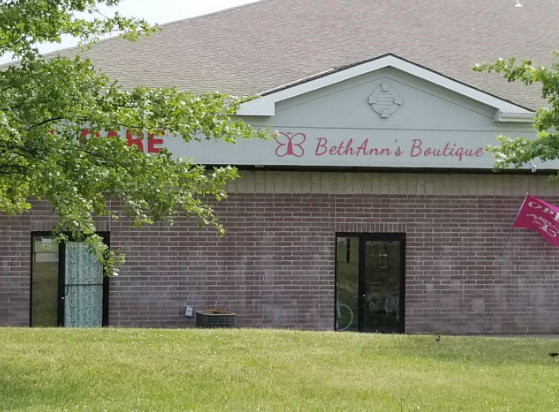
{"type": "Point", "coordinates": [385, 100]}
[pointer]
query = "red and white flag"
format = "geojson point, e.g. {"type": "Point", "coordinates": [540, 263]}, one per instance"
{"type": "Point", "coordinates": [540, 216]}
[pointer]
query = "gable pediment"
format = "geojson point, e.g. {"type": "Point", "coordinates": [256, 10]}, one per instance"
{"type": "Point", "coordinates": [267, 104]}
{"type": "Point", "coordinates": [386, 99]}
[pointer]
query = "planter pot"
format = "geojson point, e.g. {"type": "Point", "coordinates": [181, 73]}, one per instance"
{"type": "Point", "coordinates": [214, 318]}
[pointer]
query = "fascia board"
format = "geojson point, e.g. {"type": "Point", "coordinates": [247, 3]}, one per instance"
{"type": "Point", "coordinates": [265, 105]}
{"type": "Point", "coordinates": [514, 117]}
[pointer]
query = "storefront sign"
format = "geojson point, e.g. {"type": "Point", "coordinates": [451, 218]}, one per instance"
{"type": "Point", "coordinates": [145, 142]}
{"type": "Point", "coordinates": [352, 148]}
{"type": "Point", "coordinates": [292, 144]}
{"type": "Point", "coordinates": [330, 148]}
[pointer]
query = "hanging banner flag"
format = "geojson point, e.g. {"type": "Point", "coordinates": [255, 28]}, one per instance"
{"type": "Point", "coordinates": [540, 216]}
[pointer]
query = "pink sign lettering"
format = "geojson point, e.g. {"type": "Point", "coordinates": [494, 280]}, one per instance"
{"type": "Point", "coordinates": [448, 150]}
{"type": "Point", "coordinates": [349, 148]}
{"type": "Point", "coordinates": [292, 144]}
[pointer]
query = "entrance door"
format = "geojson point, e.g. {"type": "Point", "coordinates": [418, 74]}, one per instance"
{"type": "Point", "coordinates": [83, 287]}
{"type": "Point", "coordinates": [370, 282]}
{"type": "Point", "coordinates": [68, 286]}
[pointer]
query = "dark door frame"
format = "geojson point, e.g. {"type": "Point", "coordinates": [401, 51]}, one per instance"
{"type": "Point", "coordinates": [61, 280]}
{"type": "Point", "coordinates": [363, 238]}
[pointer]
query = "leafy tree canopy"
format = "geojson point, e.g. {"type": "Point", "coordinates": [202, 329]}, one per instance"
{"type": "Point", "coordinates": [45, 103]}
{"type": "Point", "coordinates": [516, 152]}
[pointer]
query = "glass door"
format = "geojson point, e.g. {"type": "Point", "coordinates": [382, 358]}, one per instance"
{"type": "Point", "coordinates": [67, 285]}
{"type": "Point", "coordinates": [83, 287]}
{"type": "Point", "coordinates": [44, 281]}
{"type": "Point", "coordinates": [347, 283]}
{"type": "Point", "coordinates": [381, 287]}
{"type": "Point", "coordinates": [370, 282]}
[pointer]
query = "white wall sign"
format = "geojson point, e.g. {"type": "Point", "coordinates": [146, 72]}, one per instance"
{"type": "Point", "coordinates": [334, 148]}
{"type": "Point", "coordinates": [343, 148]}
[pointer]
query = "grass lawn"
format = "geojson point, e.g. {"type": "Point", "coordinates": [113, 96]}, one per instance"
{"type": "Point", "coordinates": [272, 370]}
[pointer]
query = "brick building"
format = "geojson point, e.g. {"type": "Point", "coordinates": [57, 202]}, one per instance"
{"type": "Point", "coordinates": [375, 209]}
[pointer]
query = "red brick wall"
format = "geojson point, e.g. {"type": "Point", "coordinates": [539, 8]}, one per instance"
{"type": "Point", "coordinates": [274, 267]}
{"type": "Point", "coordinates": [467, 270]}
{"type": "Point", "coordinates": [15, 256]}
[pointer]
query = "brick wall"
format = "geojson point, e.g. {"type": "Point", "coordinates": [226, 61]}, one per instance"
{"type": "Point", "coordinates": [274, 266]}
{"type": "Point", "coordinates": [467, 270]}
{"type": "Point", "coordinates": [14, 271]}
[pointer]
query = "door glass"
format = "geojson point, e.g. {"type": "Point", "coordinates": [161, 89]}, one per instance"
{"type": "Point", "coordinates": [347, 283]}
{"type": "Point", "coordinates": [381, 286]}
{"type": "Point", "coordinates": [83, 287]}
{"type": "Point", "coordinates": [44, 279]}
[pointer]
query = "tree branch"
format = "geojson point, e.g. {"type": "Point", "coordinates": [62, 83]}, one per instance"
{"type": "Point", "coordinates": [52, 119]}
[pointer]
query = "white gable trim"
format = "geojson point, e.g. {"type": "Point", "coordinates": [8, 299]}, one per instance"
{"type": "Point", "coordinates": [266, 105]}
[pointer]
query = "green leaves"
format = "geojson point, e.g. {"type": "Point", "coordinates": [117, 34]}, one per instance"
{"type": "Point", "coordinates": [26, 23]}
{"type": "Point", "coordinates": [517, 152]}
{"type": "Point", "coordinates": [45, 106]}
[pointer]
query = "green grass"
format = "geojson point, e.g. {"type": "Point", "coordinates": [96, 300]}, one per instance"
{"type": "Point", "coordinates": [271, 370]}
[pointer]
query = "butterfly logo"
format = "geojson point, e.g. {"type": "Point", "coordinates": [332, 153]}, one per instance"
{"type": "Point", "coordinates": [290, 144]}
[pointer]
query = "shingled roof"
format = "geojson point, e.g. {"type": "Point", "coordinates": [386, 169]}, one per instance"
{"type": "Point", "coordinates": [264, 45]}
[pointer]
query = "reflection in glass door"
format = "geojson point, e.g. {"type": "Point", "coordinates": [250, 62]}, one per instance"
{"type": "Point", "coordinates": [68, 286]}
{"type": "Point", "coordinates": [44, 281]}
{"type": "Point", "coordinates": [381, 280]}
{"type": "Point", "coordinates": [370, 282]}
{"type": "Point", "coordinates": [347, 283]}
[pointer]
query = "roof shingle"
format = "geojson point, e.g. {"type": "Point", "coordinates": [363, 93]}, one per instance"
{"type": "Point", "coordinates": [263, 45]}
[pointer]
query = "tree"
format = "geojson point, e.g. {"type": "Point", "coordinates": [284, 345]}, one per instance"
{"type": "Point", "coordinates": [45, 104]}
{"type": "Point", "coordinates": [516, 152]}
